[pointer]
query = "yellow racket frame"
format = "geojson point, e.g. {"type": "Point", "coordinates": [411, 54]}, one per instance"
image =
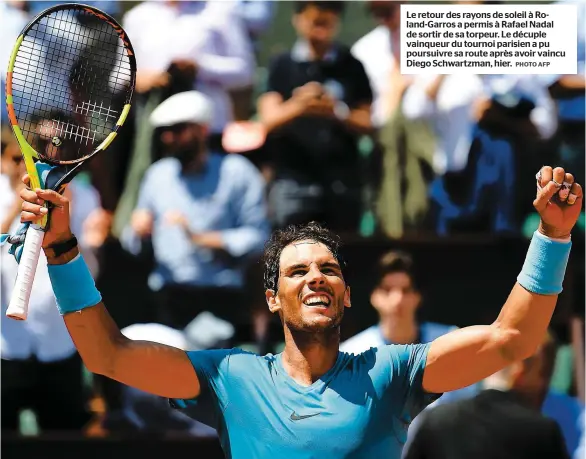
{"type": "Point", "coordinates": [29, 154]}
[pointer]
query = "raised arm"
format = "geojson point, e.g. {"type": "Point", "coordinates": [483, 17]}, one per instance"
{"type": "Point", "coordinates": [151, 367]}
{"type": "Point", "coordinates": [468, 355]}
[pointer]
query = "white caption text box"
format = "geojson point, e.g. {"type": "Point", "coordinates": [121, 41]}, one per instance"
{"type": "Point", "coordinates": [488, 39]}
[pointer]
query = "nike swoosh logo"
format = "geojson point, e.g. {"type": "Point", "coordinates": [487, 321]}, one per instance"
{"type": "Point", "coordinates": [296, 417]}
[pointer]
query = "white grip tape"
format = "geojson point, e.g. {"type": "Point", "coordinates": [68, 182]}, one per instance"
{"type": "Point", "coordinates": [18, 307]}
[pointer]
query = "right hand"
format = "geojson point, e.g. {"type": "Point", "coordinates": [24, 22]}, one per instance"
{"type": "Point", "coordinates": [33, 210]}
{"type": "Point", "coordinates": [142, 223]}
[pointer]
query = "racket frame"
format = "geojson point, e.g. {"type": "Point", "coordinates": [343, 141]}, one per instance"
{"type": "Point", "coordinates": [18, 306]}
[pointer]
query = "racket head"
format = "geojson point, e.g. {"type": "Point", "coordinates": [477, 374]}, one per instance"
{"type": "Point", "coordinates": [69, 85]}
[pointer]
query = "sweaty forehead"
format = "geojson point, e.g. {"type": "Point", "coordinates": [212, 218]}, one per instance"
{"type": "Point", "coordinates": [305, 252]}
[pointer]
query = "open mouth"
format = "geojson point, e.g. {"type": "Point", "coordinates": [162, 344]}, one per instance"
{"type": "Point", "coordinates": [317, 301]}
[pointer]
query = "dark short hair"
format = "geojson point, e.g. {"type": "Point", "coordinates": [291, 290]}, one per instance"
{"type": "Point", "coordinates": [335, 7]}
{"type": "Point", "coordinates": [395, 261]}
{"type": "Point", "coordinates": [281, 238]}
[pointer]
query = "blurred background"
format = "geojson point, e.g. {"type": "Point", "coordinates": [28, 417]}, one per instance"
{"type": "Point", "coordinates": [428, 179]}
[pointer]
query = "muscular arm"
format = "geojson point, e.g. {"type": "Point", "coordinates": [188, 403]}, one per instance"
{"type": "Point", "coordinates": [161, 370]}
{"type": "Point", "coordinates": [468, 355]}
{"type": "Point", "coordinates": [152, 367]}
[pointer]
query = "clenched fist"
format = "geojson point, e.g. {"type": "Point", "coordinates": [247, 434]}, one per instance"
{"type": "Point", "coordinates": [558, 201]}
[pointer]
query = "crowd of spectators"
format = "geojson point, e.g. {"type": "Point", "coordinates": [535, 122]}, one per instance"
{"type": "Point", "coordinates": [219, 150]}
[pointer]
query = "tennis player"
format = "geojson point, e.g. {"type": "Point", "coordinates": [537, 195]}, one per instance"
{"type": "Point", "coordinates": [313, 401]}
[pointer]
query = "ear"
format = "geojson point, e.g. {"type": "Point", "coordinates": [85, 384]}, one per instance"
{"type": "Point", "coordinates": [273, 301]}
{"type": "Point", "coordinates": [347, 302]}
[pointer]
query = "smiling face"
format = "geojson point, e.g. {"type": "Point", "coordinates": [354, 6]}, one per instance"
{"type": "Point", "coordinates": [312, 293]}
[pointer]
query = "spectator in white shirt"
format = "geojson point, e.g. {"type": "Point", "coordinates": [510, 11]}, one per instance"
{"type": "Point", "coordinates": [180, 46]}
{"type": "Point", "coordinates": [449, 102]}
{"type": "Point", "coordinates": [209, 35]}
{"type": "Point", "coordinates": [446, 101]}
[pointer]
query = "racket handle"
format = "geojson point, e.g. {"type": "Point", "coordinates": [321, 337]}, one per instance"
{"type": "Point", "coordinates": [18, 307]}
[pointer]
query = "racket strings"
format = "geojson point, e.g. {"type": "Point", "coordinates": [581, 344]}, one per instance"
{"type": "Point", "coordinates": [71, 79]}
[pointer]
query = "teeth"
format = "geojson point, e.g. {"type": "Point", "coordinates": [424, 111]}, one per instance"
{"type": "Point", "coordinates": [317, 299]}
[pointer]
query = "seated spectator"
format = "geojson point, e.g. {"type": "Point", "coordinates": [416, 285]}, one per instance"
{"type": "Point", "coordinates": [202, 251]}
{"type": "Point", "coordinates": [316, 106]}
{"type": "Point", "coordinates": [41, 369]}
{"type": "Point", "coordinates": [397, 298]}
{"type": "Point", "coordinates": [502, 421]}
{"type": "Point", "coordinates": [180, 46]}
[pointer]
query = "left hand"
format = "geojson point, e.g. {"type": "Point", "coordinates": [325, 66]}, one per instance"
{"type": "Point", "coordinates": [558, 201]}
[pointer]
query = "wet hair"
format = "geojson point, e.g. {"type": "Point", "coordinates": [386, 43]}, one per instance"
{"type": "Point", "coordinates": [333, 6]}
{"type": "Point", "coordinates": [392, 262]}
{"type": "Point", "coordinates": [280, 239]}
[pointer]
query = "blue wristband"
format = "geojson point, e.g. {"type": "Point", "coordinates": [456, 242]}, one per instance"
{"type": "Point", "coordinates": [545, 265]}
{"type": "Point", "coordinates": [74, 286]}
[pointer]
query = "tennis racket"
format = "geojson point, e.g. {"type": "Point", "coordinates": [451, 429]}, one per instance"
{"type": "Point", "coordinates": [69, 87]}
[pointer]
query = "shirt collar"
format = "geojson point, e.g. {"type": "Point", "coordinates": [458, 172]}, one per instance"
{"type": "Point", "coordinates": [300, 52]}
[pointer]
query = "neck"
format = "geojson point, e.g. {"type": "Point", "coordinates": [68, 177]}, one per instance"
{"type": "Point", "coordinates": [398, 332]}
{"type": "Point", "coordinates": [308, 356]}
{"type": "Point", "coordinates": [318, 52]}
{"type": "Point", "coordinates": [196, 164]}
